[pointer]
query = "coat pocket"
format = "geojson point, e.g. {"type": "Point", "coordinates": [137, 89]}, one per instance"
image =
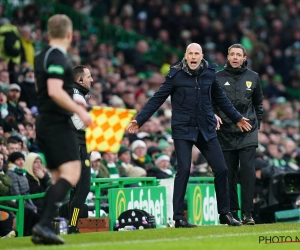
{"type": "Point", "coordinates": [211, 122]}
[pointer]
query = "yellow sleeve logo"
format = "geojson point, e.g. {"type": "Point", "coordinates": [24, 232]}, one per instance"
{"type": "Point", "coordinates": [87, 163]}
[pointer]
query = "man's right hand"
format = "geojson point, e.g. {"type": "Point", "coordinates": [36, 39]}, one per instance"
{"type": "Point", "coordinates": [39, 173]}
{"type": "Point", "coordinates": [132, 127]}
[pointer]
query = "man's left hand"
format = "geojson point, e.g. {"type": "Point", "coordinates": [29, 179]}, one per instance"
{"type": "Point", "coordinates": [219, 122]}
{"type": "Point", "coordinates": [244, 125]}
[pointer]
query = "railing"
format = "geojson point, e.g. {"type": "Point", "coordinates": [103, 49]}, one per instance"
{"type": "Point", "coordinates": [104, 183]}
{"type": "Point", "coordinates": [98, 184]}
{"type": "Point", "coordinates": [20, 210]}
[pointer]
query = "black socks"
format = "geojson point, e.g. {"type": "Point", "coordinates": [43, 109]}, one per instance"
{"type": "Point", "coordinates": [54, 196]}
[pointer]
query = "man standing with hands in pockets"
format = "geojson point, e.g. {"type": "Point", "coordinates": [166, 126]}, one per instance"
{"type": "Point", "coordinates": [192, 85]}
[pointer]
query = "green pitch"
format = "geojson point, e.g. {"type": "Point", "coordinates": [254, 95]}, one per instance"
{"type": "Point", "coordinates": [205, 237]}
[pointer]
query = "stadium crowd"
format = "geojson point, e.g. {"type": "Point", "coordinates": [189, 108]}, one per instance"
{"type": "Point", "coordinates": [268, 29]}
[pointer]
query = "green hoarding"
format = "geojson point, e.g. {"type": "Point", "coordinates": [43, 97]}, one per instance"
{"type": "Point", "coordinates": [150, 199]}
{"type": "Point", "coordinates": [202, 204]}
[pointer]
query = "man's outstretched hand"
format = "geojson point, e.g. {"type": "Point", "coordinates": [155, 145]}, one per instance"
{"type": "Point", "coordinates": [132, 127]}
{"type": "Point", "coordinates": [244, 125]}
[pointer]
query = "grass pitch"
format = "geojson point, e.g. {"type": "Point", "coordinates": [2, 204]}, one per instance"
{"type": "Point", "coordinates": [267, 236]}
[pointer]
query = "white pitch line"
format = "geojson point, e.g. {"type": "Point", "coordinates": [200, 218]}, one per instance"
{"type": "Point", "coordinates": [128, 242]}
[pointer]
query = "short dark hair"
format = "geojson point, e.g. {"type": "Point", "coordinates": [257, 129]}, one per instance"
{"type": "Point", "coordinates": [239, 46]}
{"type": "Point", "coordinates": [28, 124]}
{"type": "Point", "coordinates": [12, 141]}
{"type": "Point", "coordinates": [79, 71]}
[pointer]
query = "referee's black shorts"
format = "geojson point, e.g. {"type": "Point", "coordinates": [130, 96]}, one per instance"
{"type": "Point", "coordinates": [57, 139]}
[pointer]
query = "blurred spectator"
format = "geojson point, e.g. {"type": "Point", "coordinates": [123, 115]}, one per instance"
{"type": "Point", "coordinates": [17, 139]}
{"type": "Point", "coordinates": [20, 186]}
{"type": "Point", "coordinates": [6, 217]}
{"type": "Point", "coordinates": [129, 99]}
{"type": "Point", "coordinates": [116, 102]}
{"type": "Point", "coordinates": [31, 13]}
{"type": "Point", "coordinates": [38, 178]}
{"type": "Point", "coordinates": [30, 135]}
{"type": "Point", "coordinates": [5, 180]}
{"type": "Point", "coordinates": [3, 150]}
{"type": "Point", "coordinates": [152, 151]}
{"type": "Point", "coordinates": [10, 45]}
{"type": "Point", "coordinates": [9, 126]}
{"type": "Point", "coordinates": [124, 159]}
{"type": "Point", "coordinates": [139, 155]}
{"type": "Point", "coordinates": [4, 80]}
{"type": "Point", "coordinates": [28, 90]}
{"type": "Point", "coordinates": [3, 104]}
{"type": "Point", "coordinates": [27, 48]}
{"type": "Point", "coordinates": [3, 66]}
{"type": "Point", "coordinates": [95, 159]}
{"type": "Point", "coordinates": [165, 147]}
{"type": "Point", "coordinates": [161, 170]}
{"type": "Point", "coordinates": [134, 56]}
{"type": "Point", "coordinates": [12, 146]}
{"type": "Point", "coordinates": [275, 158]}
{"type": "Point", "coordinates": [109, 168]}
{"type": "Point", "coordinates": [14, 108]}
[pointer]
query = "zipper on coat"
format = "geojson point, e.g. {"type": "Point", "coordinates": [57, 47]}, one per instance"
{"type": "Point", "coordinates": [198, 84]}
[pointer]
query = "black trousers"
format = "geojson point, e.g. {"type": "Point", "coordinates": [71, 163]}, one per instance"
{"type": "Point", "coordinates": [79, 193]}
{"type": "Point", "coordinates": [240, 165]}
{"type": "Point", "coordinates": [212, 152]}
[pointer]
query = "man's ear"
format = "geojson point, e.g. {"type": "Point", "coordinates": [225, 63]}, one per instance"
{"type": "Point", "coordinates": [69, 35]}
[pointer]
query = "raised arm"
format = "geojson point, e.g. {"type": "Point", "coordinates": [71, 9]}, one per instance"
{"type": "Point", "coordinates": [151, 106]}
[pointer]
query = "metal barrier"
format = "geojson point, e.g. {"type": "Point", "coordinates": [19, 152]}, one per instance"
{"type": "Point", "coordinates": [97, 185]}
{"type": "Point", "coordinates": [104, 183]}
{"type": "Point", "coordinates": [20, 210]}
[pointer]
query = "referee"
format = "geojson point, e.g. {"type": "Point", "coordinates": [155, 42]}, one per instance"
{"type": "Point", "coordinates": [55, 134]}
{"type": "Point", "coordinates": [81, 87]}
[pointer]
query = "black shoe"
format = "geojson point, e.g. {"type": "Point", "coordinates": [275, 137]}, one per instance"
{"type": "Point", "coordinates": [73, 230]}
{"type": "Point", "coordinates": [247, 219]}
{"type": "Point", "coordinates": [229, 220]}
{"type": "Point", "coordinates": [183, 223]}
{"type": "Point", "coordinates": [235, 215]}
{"type": "Point", "coordinates": [38, 240]}
{"type": "Point", "coordinates": [45, 235]}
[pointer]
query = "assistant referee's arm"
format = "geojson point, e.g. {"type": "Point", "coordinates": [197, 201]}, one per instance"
{"type": "Point", "coordinates": [75, 119]}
